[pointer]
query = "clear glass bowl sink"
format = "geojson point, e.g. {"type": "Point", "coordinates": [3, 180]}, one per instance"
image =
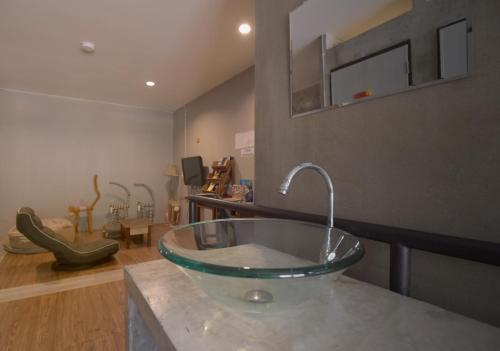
{"type": "Point", "coordinates": [260, 264]}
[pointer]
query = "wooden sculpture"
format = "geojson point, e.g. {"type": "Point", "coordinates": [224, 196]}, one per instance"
{"type": "Point", "coordinates": [75, 210]}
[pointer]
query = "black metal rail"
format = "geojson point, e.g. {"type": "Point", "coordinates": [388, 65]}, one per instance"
{"type": "Point", "coordinates": [401, 240]}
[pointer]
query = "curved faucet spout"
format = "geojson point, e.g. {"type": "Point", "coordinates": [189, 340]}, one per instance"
{"type": "Point", "coordinates": [326, 250]}
{"type": "Point", "coordinates": [308, 165]}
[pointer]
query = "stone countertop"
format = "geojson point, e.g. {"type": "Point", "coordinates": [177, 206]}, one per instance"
{"type": "Point", "coordinates": [351, 315]}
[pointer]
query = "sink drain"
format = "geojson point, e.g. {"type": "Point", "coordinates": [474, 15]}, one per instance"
{"type": "Point", "coordinates": [259, 296]}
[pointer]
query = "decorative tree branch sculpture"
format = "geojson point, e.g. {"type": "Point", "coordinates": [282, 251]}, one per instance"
{"type": "Point", "coordinates": [75, 210]}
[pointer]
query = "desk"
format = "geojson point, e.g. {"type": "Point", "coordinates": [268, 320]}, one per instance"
{"type": "Point", "coordinates": [195, 208]}
{"type": "Point", "coordinates": [168, 311]}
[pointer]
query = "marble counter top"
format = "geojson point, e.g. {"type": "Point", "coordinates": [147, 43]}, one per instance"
{"type": "Point", "coordinates": [167, 311]}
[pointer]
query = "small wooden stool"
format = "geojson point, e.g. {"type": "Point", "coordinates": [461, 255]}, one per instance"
{"type": "Point", "coordinates": [132, 227]}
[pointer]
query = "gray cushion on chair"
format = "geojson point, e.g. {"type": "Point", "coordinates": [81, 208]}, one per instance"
{"type": "Point", "coordinates": [66, 253]}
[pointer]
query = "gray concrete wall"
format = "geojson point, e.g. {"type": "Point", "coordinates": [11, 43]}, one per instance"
{"type": "Point", "coordinates": [427, 159]}
{"type": "Point", "coordinates": [206, 127]}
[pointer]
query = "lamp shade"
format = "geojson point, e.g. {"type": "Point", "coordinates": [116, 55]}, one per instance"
{"type": "Point", "coordinates": [171, 170]}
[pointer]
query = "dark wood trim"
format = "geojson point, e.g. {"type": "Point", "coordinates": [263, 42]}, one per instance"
{"type": "Point", "coordinates": [439, 43]}
{"type": "Point", "coordinates": [410, 64]}
{"type": "Point", "coordinates": [454, 246]}
{"type": "Point", "coordinates": [383, 51]}
{"type": "Point", "coordinates": [452, 23]}
{"type": "Point", "coordinates": [401, 240]}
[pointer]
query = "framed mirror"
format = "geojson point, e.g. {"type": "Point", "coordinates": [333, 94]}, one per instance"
{"type": "Point", "coordinates": [343, 53]}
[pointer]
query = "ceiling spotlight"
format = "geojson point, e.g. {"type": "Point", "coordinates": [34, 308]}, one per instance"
{"type": "Point", "coordinates": [245, 28]}
{"type": "Point", "coordinates": [150, 83]}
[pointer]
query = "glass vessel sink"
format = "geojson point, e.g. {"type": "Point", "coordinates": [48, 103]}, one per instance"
{"type": "Point", "coordinates": [261, 264]}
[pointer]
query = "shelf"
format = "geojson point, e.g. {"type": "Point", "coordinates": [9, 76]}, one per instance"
{"type": "Point", "coordinates": [224, 175]}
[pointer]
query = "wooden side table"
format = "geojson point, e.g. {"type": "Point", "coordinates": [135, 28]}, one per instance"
{"type": "Point", "coordinates": [132, 227]}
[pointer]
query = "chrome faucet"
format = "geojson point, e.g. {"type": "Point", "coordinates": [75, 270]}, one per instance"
{"type": "Point", "coordinates": [326, 254]}
{"type": "Point", "coordinates": [288, 180]}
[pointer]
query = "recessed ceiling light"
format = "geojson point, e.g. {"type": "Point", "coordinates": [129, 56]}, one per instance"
{"type": "Point", "coordinates": [150, 83]}
{"type": "Point", "coordinates": [245, 28]}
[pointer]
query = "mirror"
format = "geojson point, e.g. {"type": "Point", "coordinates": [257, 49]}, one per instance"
{"type": "Point", "coordinates": [349, 52]}
{"type": "Point", "coordinates": [307, 84]}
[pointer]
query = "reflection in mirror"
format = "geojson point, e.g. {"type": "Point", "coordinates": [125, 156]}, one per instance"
{"type": "Point", "coordinates": [348, 52]}
{"type": "Point", "coordinates": [307, 82]}
{"type": "Point", "coordinates": [380, 73]}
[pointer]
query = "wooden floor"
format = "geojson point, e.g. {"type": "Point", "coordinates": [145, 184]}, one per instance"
{"type": "Point", "coordinates": [17, 270]}
{"type": "Point", "coordinates": [90, 318]}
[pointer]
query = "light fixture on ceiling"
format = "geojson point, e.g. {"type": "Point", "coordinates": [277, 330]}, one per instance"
{"type": "Point", "coordinates": [244, 28]}
{"type": "Point", "coordinates": [150, 83]}
{"type": "Point", "coordinates": [87, 46]}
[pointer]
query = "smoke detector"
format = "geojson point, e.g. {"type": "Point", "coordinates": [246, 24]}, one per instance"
{"type": "Point", "coordinates": [87, 46]}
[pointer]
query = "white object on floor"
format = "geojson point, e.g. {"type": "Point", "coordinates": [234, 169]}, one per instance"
{"type": "Point", "coordinates": [18, 243]}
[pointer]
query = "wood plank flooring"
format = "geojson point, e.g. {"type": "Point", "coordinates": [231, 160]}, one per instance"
{"type": "Point", "coordinates": [89, 318]}
{"type": "Point", "coordinates": [18, 270]}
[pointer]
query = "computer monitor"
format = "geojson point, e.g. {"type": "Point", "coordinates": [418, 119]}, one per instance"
{"type": "Point", "coordinates": [192, 170]}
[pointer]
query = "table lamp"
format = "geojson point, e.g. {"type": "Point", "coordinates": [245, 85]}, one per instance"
{"type": "Point", "coordinates": [171, 172]}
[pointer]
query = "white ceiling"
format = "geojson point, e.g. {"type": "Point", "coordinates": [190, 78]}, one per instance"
{"type": "Point", "coordinates": [186, 46]}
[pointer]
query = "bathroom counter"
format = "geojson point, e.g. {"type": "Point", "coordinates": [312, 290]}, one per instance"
{"type": "Point", "coordinates": [167, 311]}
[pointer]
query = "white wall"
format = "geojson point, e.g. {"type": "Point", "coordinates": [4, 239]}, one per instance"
{"type": "Point", "coordinates": [51, 146]}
